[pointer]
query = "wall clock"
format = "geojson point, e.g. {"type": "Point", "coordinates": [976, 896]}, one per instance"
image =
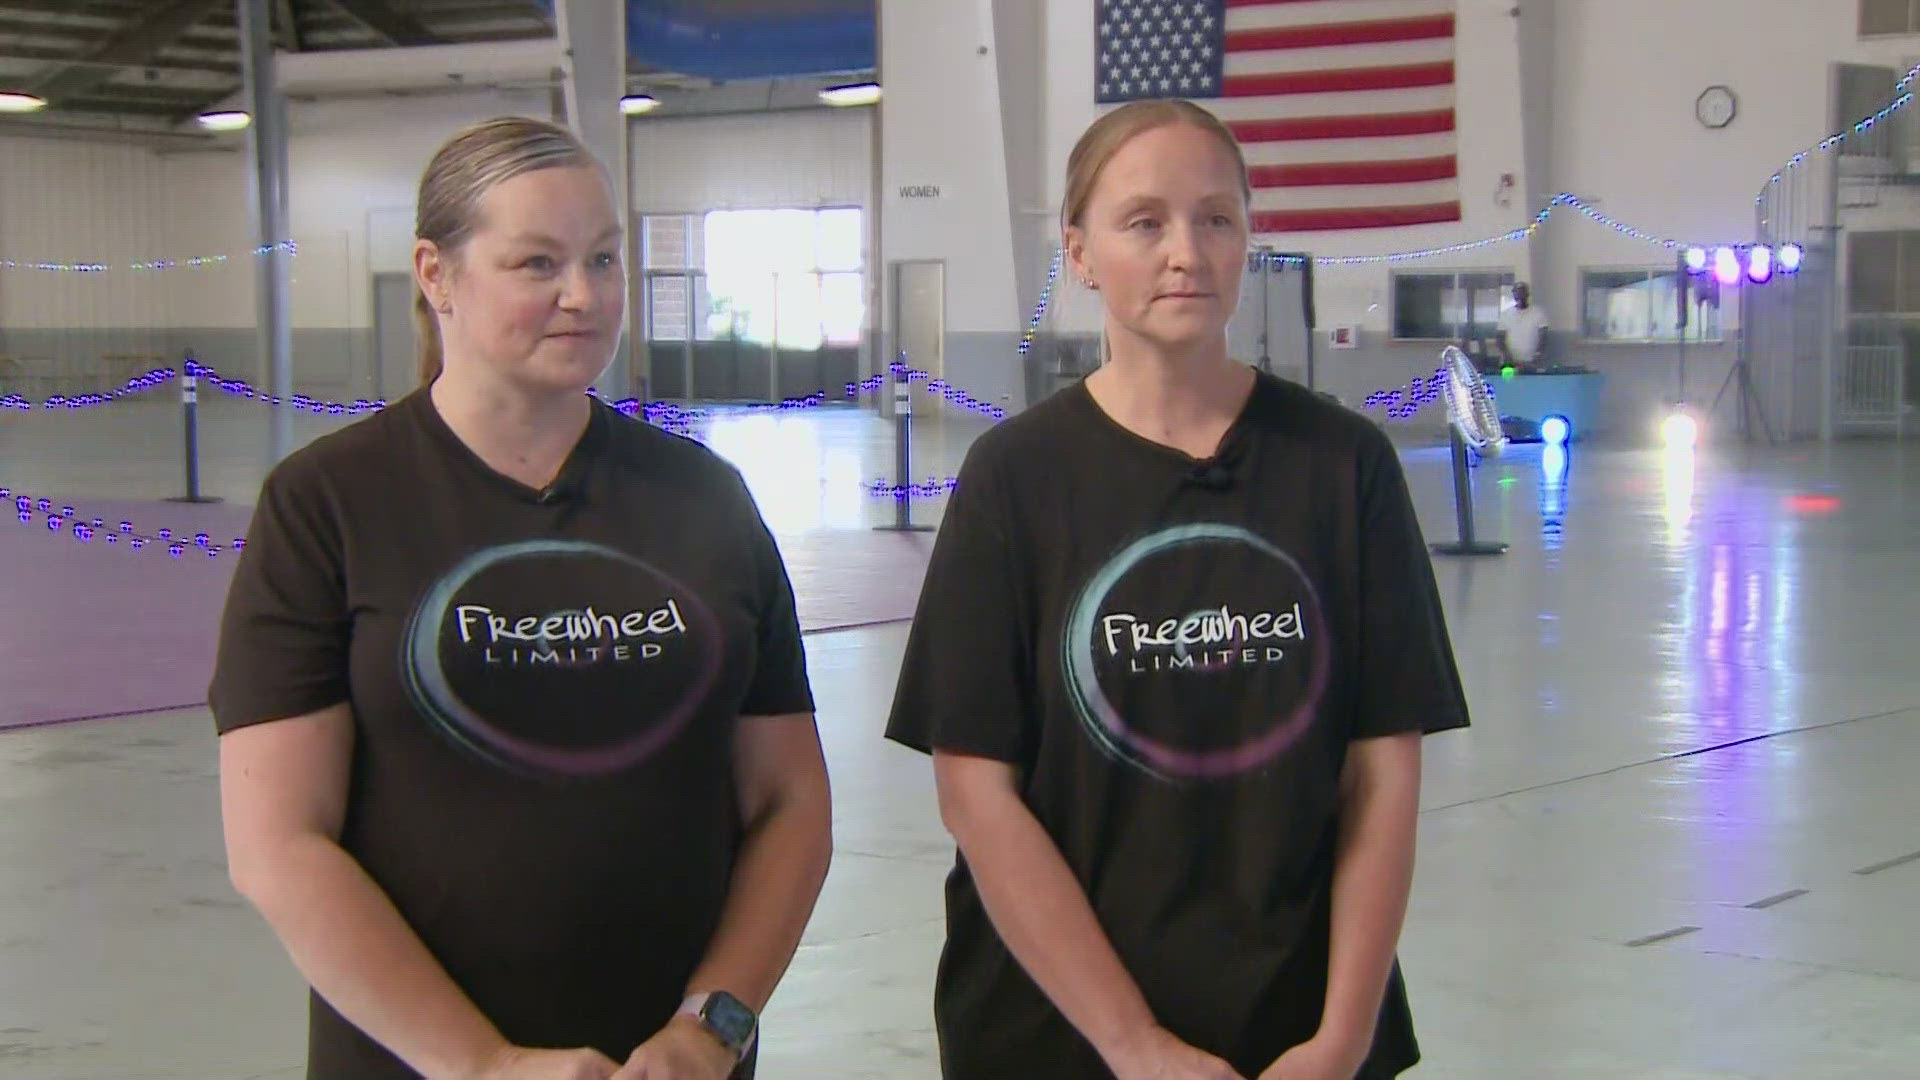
{"type": "Point", "coordinates": [1716, 107]}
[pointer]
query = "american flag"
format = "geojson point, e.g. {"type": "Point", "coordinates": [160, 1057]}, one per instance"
{"type": "Point", "coordinates": [1345, 108]}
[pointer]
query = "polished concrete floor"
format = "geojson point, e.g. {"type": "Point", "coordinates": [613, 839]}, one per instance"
{"type": "Point", "coordinates": [1681, 840]}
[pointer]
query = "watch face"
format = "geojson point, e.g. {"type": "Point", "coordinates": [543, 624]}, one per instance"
{"type": "Point", "coordinates": [729, 1018]}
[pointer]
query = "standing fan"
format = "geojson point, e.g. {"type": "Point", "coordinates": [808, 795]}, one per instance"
{"type": "Point", "coordinates": [1472, 420]}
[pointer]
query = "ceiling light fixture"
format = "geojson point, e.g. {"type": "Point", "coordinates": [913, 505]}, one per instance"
{"type": "Point", "coordinates": [225, 121]}
{"type": "Point", "coordinates": [852, 94]}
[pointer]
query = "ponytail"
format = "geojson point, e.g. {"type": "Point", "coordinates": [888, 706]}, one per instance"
{"type": "Point", "coordinates": [426, 336]}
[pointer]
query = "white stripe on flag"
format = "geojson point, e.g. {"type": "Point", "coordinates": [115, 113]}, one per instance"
{"type": "Point", "coordinates": [1340, 197]}
{"type": "Point", "coordinates": [1315, 151]}
{"type": "Point", "coordinates": [1339, 57]}
{"type": "Point", "coordinates": [1344, 103]}
{"type": "Point", "coordinates": [1324, 12]}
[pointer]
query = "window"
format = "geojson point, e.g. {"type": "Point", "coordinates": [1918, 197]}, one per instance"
{"type": "Point", "coordinates": [1642, 305]}
{"type": "Point", "coordinates": [669, 312]}
{"type": "Point", "coordinates": [1883, 272]}
{"type": "Point", "coordinates": [1889, 17]}
{"type": "Point", "coordinates": [787, 278]}
{"type": "Point", "coordinates": [1450, 306]}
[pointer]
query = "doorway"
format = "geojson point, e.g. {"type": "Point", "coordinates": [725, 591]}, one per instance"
{"type": "Point", "coordinates": [920, 314]}
{"type": "Point", "coordinates": [395, 366]}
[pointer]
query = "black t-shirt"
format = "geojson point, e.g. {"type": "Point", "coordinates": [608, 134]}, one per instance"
{"type": "Point", "coordinates": [1175, 654]}
{"type": "Point", "coordinates": [544, 685]}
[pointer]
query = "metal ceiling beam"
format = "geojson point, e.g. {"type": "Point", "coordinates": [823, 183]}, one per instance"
{"type": "Point", "coordinates": [84, 37]}
{"type": "Point", "coordinates": [132, 45]}
{"type": "Point", "coordinates": [379, 17]}
{"type": "Point", "coordinates": [167, 66]}
{"type": "Point", "coordinates": [286, 26]}
{"type": "Point", "coordinates": [124, 107]}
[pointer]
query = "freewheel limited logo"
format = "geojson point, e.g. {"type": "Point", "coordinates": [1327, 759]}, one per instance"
{"type": "Point", "coordinates": [569, 637]}
{"type": "Point", "coordinates": [560, 658]}
{"type": "Point", "coordinates": [1189, 691]}
{"type": "Point", "coordinates": [1202, 640]}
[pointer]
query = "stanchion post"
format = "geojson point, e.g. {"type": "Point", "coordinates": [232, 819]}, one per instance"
{"type": "Point", "coordinates": [190, 412]}
{"type": "Point", "coordinates": [903, 452]}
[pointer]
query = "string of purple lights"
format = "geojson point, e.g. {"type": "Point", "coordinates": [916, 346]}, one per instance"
{"type": "Point", "coordinates": [65, 519]}
{"type": "Point", "coordinates": [682, 421]}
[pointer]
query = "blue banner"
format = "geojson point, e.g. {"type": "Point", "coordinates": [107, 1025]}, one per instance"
{"type": "Point", "coordinates": [752, 39]}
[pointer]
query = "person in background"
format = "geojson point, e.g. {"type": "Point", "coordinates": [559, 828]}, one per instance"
{"type": "Point", "coordinates": [1523, 330]}
{"type": "Point", "coordinates": [1174, 654]}
{"type": "Point", "coordinates": [517, 753]}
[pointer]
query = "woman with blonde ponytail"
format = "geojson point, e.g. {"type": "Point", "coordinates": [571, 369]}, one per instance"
{"type": "Point", "coordinates": [1174, 682]}
{"type": "Point", "coordinates": [527, 785]}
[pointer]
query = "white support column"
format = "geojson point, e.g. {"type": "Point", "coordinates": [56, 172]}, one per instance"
{"type": "Point", "coordinates": [267, 188]}
{"type": "Point", "coordinates": [944, 184]}
{"type": "Point", "coordinates": [593, 43]}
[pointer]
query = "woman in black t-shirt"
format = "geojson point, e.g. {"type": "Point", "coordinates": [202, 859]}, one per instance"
{"type": "Point", "coordinates": [517, 750]}
{"type": "Point", "coordinates": [1176, 648]}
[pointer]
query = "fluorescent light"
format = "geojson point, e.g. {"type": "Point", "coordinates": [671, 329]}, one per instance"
{"type": "Point", "coordinates": [225, 121]}
{"type": "Point", "coordinates": [854, 94]}
{"type": "Point", "coordinates": [635, 104]}
{"type": "Point", "coordinates": [21, 103]}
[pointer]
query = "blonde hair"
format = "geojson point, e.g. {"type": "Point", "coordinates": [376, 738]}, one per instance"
{"type": "Point", "coordinates": [461, 173]}
{"type": "Point", "coordinates": [1105, 136]}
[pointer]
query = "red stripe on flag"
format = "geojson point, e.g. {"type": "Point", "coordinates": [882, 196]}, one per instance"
{"type": "Point", "coordinates": [1259, 3]}
{"type": "Point", "coordinates": [1421, 28]}
{"type": "Point", "coordinates": [1331, 173]}
{"type": "Point", "coordinates": [1374, 126]}
{"type": "Point", "coordinates": [1396, 77]}
{"type": "Point", "coordinates": [1361, 217]}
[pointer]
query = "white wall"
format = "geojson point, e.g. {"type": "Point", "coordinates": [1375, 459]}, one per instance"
{"type": "Point", "coordinates": [756, 161]}
{"type": "Point", "coordinates": [353, 170]}
{"type": "Point", "coordinates": [73, 202]}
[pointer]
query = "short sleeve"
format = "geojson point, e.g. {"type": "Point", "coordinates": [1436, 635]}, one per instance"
{"type": "Point", "coordinates": [285, 630]}
{"type": "Point", "coordinates": [965, 682]}
{"type": "Point", "coordinates": [779, 686]}
{"type": "Point", "coordinates": [1405, 678]}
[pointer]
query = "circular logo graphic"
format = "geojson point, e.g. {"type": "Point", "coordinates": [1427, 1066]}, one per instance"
{"type": "Point", "coordinates": [1196, 653]}
{"type": "Point", "coordinates": [560, 658]}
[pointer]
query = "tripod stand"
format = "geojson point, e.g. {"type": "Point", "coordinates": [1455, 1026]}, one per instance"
{"type": "Point", "coordinates": [1749, 399]}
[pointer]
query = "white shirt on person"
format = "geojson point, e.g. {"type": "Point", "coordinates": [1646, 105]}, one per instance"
{"type": "Point", "coordinates": [1524, 327]}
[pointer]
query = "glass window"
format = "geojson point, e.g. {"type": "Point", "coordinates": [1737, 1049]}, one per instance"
{"type": "Point", "coordinates": [1644, 306]}
{"type": "Point", "coordinates": [843, 308]}
{"type": "Point", "coordinates": [1886, 17]}
{"type": "Point", "coordinates": [1615, 304]}
{"type": "Point", "coordinates": [789, 277]}
{"type": "Point", "coordinates": [1449, 306]}
{"type": "Point", "coordinates": [669, 242]}
{"type": "Point", "coordinates": [840, 239]}
{"type": "Point", "coordinates": [668, 314]}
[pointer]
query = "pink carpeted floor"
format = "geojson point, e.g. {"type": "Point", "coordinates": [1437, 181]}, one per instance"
{"type": "Point", "coordinates": [96, 630]}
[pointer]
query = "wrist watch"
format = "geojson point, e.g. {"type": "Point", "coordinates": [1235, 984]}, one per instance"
{"type": "Point", "coordinates": [726, 1017]}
